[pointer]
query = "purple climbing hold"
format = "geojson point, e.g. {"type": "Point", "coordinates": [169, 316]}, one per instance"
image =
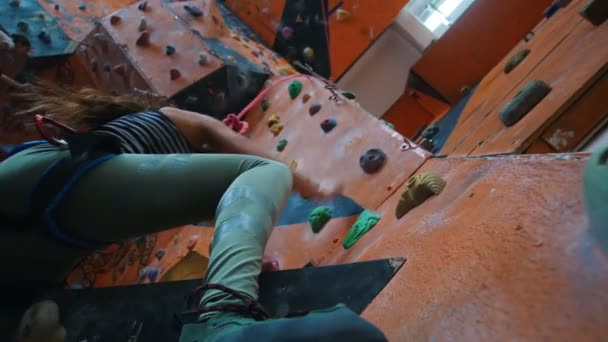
{"type": "Point", "coordinates": [255, 54]}
{"type": "Point", "coordinates": [152, 273]}
{"type": "Point", "coordinates": [193, 10]}
{"type": "Point", "coordinates": [160, 254]}
{"type": "Point", "coordinates": [328, 124]}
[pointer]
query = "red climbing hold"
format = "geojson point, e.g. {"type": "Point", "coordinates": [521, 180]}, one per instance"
{"type": "Point", "coordinates": [144, 39]}
{"type": "Point", "coordinates": [287, 32]}
{"type": "Point", "coordinates": [119, 69]}
{"type": "Point", "coordinates": [328, 124]}
{"type": "Point", "coordinates": [233, 121]}
{"type": "Point", "coordinates": [175, 74]}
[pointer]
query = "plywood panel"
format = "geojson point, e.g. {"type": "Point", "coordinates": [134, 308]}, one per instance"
{"type": "Point", "coordinates": [496, 85]}
{"type": "Point", "coordinates": [334, 157]}
{"type": "Point", "coordinates": [504, 252]}
{"type": "Point", "coordinates": [569, 70]}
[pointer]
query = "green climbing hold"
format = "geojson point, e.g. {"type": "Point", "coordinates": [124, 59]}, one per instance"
{"type": "Point", "coordinates": [265, 105]}
{"type": "Point", "coordinates": [366, 221]}
{"type": "Point", "coordinates": [595, 191]}
{"type": "Point", "coordinates": [349, 95]}
{"type": "Point", "coordinates": [319, 217]}
{"type": "Point", "coordinates": [516, 60]}
{"type": "Point", "coordinates": [281, 145]}
{"type": "Point", "coordinates": [390, 125]}
{"type": "Point", "coordinates": [294, 88]}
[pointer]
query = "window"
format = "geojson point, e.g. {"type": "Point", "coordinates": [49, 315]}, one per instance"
{"type": "Point", "coordinates": [438, 15]}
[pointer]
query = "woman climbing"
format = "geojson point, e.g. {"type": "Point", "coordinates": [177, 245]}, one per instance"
{"type": "Point", "coordinates": [139, 170]}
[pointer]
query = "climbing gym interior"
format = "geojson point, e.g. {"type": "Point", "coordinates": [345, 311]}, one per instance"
{"type": "Point", "coordinates": [470, 137]}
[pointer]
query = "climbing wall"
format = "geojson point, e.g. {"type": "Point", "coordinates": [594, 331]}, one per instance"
{"type": "Point", "coordinates": [558, 53]}
{"type": "Point", "coordinates": [329, 35]}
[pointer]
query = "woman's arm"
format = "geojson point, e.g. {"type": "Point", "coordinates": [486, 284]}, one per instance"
{"type": "Point", "coordinates": [201, 130]}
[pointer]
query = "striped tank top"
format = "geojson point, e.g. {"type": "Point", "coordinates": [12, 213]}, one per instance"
{"type": "Point", "coordinates": [148, 132]}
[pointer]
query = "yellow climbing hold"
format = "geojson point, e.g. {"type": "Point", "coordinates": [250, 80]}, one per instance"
{"type": "Point", "coordinates": [342, 14]}
{"type": "Point", "coordinates": [293, 165]}
{"type": "Point", "coordinates": [417, 190]}
{"type": "Point", "coordinates": [273, 120]}
{"type": "Point", "coordinates": [276, 129]}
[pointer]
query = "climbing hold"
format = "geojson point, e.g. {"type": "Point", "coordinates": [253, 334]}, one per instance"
{"type": "Point", "coordinates": [202, 58]}
{"type": "Point", "coordinates": [23, 26]}
{"type": "Point", "coordinates": [551, 10]}
{"type": "Point", "coordinates": [417, 190]}
{"type": "Point", "coordinates": [430, 132]}
{"type": "Point", "coordinates": [160, 254]}
{"type": "Point", "coordinates": [372, 160]}
{"type": "Point", "coordinates": [193, 10]}
{"type": "Point", "coordinates": [152, 273]}
{"type": "Point", "coordinates": [349, 95]}
{"type": "Point", "coordinates": [107, 67]}
{"type": "Point", "coordinates": [44, 37]}
{"type": "Point", "coordinates": [265, 11]}
{"type": "Point", "coordinates": [314, 109]}
{"type": "Point", "coordinates": [115, 19]}
{"type": "Point", "coordinates": [144, 39]}
{"type": "Point", "coordinates": [390, 125]}
{"type": "Point", "coordinates": [328, 124]}
{"type": "Point", "coordinates": [94, 65]}
{"type": "Point", "coordinates": [516, 60]}
{"type": "Point", "coordinates": [531, 94]}
{"type": "Point", "coordinates": [265, 105]}
{"type": "Point", "coordinates": [287, 32]}
{"type": "Point", "coordinates": [276, 129]}
{"type": "Point", "coordinates": [143, 6]}
{"type": "Point", "coordinates": [143, 24]}
{"type": "Point", "coordinates": [15, 3]}
{"type": "Point", "coordinates": [309, 53]}
{"type": "Point", "coordinates": [231, 58]}
{"type": "Point", "coordinates": [596, 11]}
{"type": "Point", "coordinates": [255, 54]}
{"type": "Point", "coordinates": [56, 7]}
{"type": "Point", "coordinates": [82, 7]}
{"type": "Point", "coordinates": [342, 14]}
{"type": "Point", "coordinates": [294, 88]}
{"type": "Point", "coordinates": [293, 165]}
{"type": "Point", "coordinates": [169, 50]}
{"type": "Point", "coordinates": [174, 74]}
{"type": "Point", "coordinates": [319, 217]}
{"type": "Point", "coordinates": [270, 266]}
{"type": "Point", "coordinates": [273, 119]}
{"type": "Point", "coordinates": [281, 145]}
{"type": "Point", "coordinates": [299, 19]}
{"type": "Point", "coordinates": [119, 69]}
{"type": "Point", "coordinates": [236, 37]}
{"type": "Point", "coordinates": [366, 221]}
{"type": "Point", "coordinates": [595, 191]}
{"type": "Point", "coordinates": [305, 98]}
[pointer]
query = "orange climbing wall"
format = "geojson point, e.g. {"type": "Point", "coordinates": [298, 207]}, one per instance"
{"type": "Point", "coordinates": [502, 253]}
{"type": "Point", "coordinates": [348, 38]}
{"type": "Point", "coordinates": [567, 52]}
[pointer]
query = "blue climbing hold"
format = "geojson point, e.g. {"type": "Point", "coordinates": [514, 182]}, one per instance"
{"type": "Point", "coordinates": [169, 50]}
{"type": "Point", "coordinates": [152, 273]}
{"type": "Point", "coordinates": [193, 10]}
{"type": "Point", "coordinates": [160, 254]}
{"type": "Point", "coordinates": [82, 7]}
{"type": "Point", "coordinates": [328, 124]}
{"type": "Point", "coordinates": [372, 160]}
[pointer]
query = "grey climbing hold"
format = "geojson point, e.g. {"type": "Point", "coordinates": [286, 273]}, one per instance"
{"type": "Point", "coordinates": [143, 24]}
{"type": "Point", "coordinates": [143, 6]}
{"type": "Point", "coordinates": [314, 108]}
{"type": "Point", "coordinates": [516, 60]}
{"type": "Point", "coordinates": [372, 160]}
{"type": "Point", "coordinates": [531, 94]}
{"type": "Point", "coordinates": [193, 10]}
{"type": "Point", "coordinates": [169, 50]}
{"type": "Point", "coordinates": [596, 11]}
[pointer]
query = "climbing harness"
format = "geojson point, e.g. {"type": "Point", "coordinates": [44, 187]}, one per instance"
{"type": "Point", "coordinates": [87, 150]}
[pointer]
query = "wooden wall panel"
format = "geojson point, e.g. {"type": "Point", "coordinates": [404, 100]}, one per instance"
{"type": "Point", "coordinates": [496, 85]}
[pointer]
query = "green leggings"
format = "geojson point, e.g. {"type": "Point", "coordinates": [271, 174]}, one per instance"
{"type": "Point", "coordinates": [131, 195]}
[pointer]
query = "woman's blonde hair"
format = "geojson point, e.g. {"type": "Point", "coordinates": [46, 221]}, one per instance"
{"type": "Point", "coordinates": [79, 108]}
